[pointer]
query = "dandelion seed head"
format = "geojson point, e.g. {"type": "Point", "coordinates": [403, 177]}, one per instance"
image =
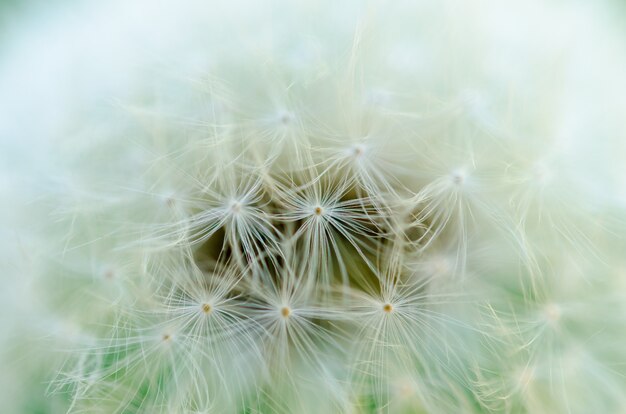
{"type": "Point", "coordinates": [235, 207]}
{"type": "Point", "coordinates": [286, 118]}
{"type": "Point", "coordinates": [357, 151]}
{"type": "Point", "coordinates": [458, 177]}
{"type": "Point", "coordinates": [285, 312]}
{"type": "Point", "coordinates": [388, 308]}
{"type": "Point", "coordinates": [291, 218]}
{"type": "Point", "coordinates": [405, 387]}
{"type": "Point", "coordinates": [542, 174]}
{"type": "Point", "coordinates": [553, 312]}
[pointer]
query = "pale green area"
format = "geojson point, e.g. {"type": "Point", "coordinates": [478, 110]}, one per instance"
{"type": "Point", "coordinates": [15, 14]}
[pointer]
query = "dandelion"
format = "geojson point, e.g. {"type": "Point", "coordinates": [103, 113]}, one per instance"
{"type": "Point", "coordinates": [396, 209]}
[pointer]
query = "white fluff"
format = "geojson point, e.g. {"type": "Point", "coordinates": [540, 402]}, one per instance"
{"type": "Point", "coordinates": [273, 207]}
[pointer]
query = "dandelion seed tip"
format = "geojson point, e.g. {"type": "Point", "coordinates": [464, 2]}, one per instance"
{"type": "Point", "coordinates": [166, 337]}
{"type": "Point", "coordinates": [387, 308]}
{"type": "Point", "coordinates": [358, 150]}
{"type": "Point", "coordinates": [206, 308]}
{"type": "Point", "coordinates": [405, 389]}
{"type": "Point", "coordinates": [542, 174]}
{"type": "Point", "coordinates": [286, 118]}
{"type": "Point", "coordinates": [285, 312]}
{"type": "Point", "coordinates": [318, 211]}
{"type": "Point", "coordinates": [458, 177]}
{"type": "Point", "coordinates": [552, 312]}
{"type": "Point", "coordinates": [235, 206]}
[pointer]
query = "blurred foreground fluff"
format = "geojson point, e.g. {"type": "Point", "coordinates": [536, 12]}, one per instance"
{"type": "Point", "coordinates": [317, 207]}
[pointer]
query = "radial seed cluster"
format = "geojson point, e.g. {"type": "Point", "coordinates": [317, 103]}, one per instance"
{"type": "Point", "coordinates": [237, 207]}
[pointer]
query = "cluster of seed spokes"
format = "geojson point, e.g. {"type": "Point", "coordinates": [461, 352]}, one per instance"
{"type": "Point", "coordinates": [344, 223]}
{"type": "Point", "coordinates": [327, 238]}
